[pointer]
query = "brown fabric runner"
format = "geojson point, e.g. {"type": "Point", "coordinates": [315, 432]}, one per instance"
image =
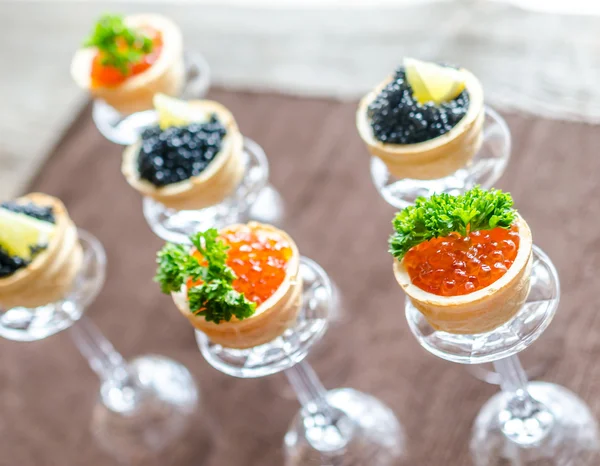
{"type": "Point", "coordinates": [320, 166]}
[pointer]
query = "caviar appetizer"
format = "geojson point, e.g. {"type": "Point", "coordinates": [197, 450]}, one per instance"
{"type": "Point", "coordinates": [425, 121]}
{"type": "Point", "coordinates": [464, 261]}
{"type": "Point", "coordinates": [126, 60]}
{"type": "Point", "coordinates": [192, 159]}
{"type": "Point", "coordinates": [240, 286]}
{"type": "Point", "coordinates": [40, 253]}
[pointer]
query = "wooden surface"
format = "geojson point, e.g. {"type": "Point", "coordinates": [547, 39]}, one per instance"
{"type": "Point", "coordinates": [47, 391]}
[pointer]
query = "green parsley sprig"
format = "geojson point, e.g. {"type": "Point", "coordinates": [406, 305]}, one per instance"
{"type": "Point", "coordinates": [109, 33]}
{"type": "Point", "coordinates": [442, 214]}
{"type": "Point", "coordinates": [214, 298]}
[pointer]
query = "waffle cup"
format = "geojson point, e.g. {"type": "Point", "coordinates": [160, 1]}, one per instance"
{"type": "Point", "coordinates": [218, 181]}
{"type": "Point", "coordinates": [480, 311]}
{"type": "Point", "coordinates": [49, 277]}
{"type": "Point", "coordinates": [135, 94]}
{"type": "Point", "coordinates": [437, 157]}
{"type": "Point", "coordinates": [271, 318]}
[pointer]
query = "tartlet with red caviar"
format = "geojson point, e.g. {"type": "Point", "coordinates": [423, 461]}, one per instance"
{"type": "Point", "coordinates": [127, 60]}
{"type": "Point", "coordinates": [191, 160]}
{"type": "Point", "coordinates": [240, 286]}
{"type": "Point", "coordinates": [425, 121]}
{"type": "Point", "coordinates": [464, 261]}
{"type": "Point", "coordinates": [40, 254]}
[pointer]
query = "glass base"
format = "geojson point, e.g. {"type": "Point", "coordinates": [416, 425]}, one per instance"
{"type": "Point", "coordinates": [375, 435]}
{"type": "Point", "coordinates": [268, 207]}
{"type": "Point", "coordinates": [158, 416]}
{"type": "Point", "coordinates": [126, 129]}
{"type": "Point", "coordinates": [25, 324]}
{"type": "Point", "coordinates": [507, 340]}
{"type": "Point", "coordinates": [572, 437]}
{"type": "Point", "coordinates": [485, 169]}
{"type": "Point", "coordinates": [253, 199]}
{"type": "Point", "coordinates": [291, 347]}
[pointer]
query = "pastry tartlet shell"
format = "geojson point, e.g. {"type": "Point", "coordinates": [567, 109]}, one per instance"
{"type": "Point", "coordinates": [437, 157]}
{"type": "Point", "coordinates": [135, 94]}
{"type": "Point", "coordinates": [49, 277]}
{"type": "Point", "coordinates": [483, 310]}
{"type": "Point", "coordinates": [271, 318]}
{"type": "Point", "coordinates": [218, 180]}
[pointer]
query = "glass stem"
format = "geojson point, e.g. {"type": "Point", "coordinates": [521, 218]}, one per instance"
{"type": "Point", "coordinates": [524, 420]}
{"type": "Point", "coordinates": [512, 375]}
{"type": "Point", "coordinates": [308, 388]}
{"type": "Point", "coordinates": [119, 388]}
{"type": "Point", "coordinates": [327, 429]}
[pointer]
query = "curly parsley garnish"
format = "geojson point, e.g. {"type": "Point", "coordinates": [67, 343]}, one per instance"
{"type": "Point", "coordinates": [214, 297]}
{"type": "Point", "coordinates": [119, 45]}
{"type": "Point", "coordinates": [442, 214]}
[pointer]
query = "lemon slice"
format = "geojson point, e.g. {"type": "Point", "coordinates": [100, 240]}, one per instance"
{"type": "Point", "coordinates": [175, 112]}
{"type": "Point", "coordinates": [19, 232]}
{"type": "Point", "coordinates": [433, 82]}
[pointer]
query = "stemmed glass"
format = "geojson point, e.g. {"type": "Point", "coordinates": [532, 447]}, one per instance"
{"type": "Point", "coordinates": [485, 169]}
{"type": "Point", "coordinates": [143, 404]}
{"type": "Point", "coordinates": [527, 422]}
{"type": "Point", "coordinates": [254, 198]}
{"type": "Point", "coordinates": [341, 426]}
{"type": "Point", "coordinates": [125, 129]}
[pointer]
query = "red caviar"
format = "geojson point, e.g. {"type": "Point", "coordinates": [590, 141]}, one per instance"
{"type": "Point", "coordinates": [259, 259]}
{"type": "Point", "coordinates": [109, 76]}
{"type": "Point", "coordinates": [457, 265]}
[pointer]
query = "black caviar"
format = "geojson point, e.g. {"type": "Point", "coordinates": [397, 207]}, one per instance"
{"type": "Point", "coordinates": [398, 118]}
{"type": "Point", "coordinates": [179, 152]}
{"type": "Point", "coordinates": [44, 213]}
{"type": "Point", "coordinates": [10, 264]}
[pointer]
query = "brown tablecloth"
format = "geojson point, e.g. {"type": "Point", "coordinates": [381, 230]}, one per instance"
{"type": "Point", "coordinates": [321, 168]}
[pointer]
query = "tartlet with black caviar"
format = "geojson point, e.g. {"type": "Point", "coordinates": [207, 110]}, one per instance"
{"type": "Point", "coordinates": [240, 286]}
{"type": "Point", "coordinates": [191, 160]}
{"type": "Point", "coordinates": [464, 261]}
{"type": "Point", "coordinates": [425, 121]}
{"type": "Point", "coordinates": [127, 60]}
{"type": "Point", "coordinates": [40, 254]}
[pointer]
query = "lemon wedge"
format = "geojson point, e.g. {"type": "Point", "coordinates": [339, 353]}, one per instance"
{"type": "Point", "coordinates": [19, 232]}
{"type": "Point", "coordinates": [175, 112]}
{"type": "Point", "coordinates": [431, 82]}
